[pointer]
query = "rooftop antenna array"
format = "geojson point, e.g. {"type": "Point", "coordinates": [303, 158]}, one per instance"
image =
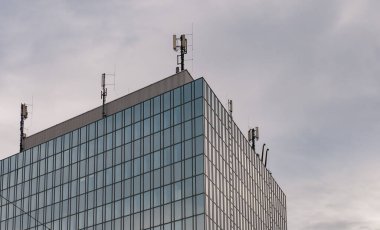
{"type": "Point", "coordinates": [103, 93]}
{"type": "Point", "coordinates": [182, 47]}
{"type": "Point", "coordinates": [24, 115]}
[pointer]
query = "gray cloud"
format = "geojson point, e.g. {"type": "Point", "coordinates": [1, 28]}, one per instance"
{"type": "Point", "coordinates": [305, 72]}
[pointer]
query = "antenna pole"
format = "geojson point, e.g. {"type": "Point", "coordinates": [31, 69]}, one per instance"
{"type": "Point", "coordinates": [183, 50]}
{"type": "Point", "coordinates": [266, 158]}
{"type": "Point", "coordinates": [262, 153]}
{"type": "Point", "coordinates": [24, 115]}
{"type": "Point", "coordinates": [103, 94]}
{"type": "Point", "coordinates": [182, 47]}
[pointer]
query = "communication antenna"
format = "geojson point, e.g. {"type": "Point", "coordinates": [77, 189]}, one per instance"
{"type": "Point", "coordinates": [266, 158]}
{"type": "Point", "coordinates": [253, 135]}
{"type": "Point", "coordinates": [262, 153]}
{"type": "Point", "coordinates": [103, 93]}
{"type": "Point", "coordinates": [24, 115]}
{"type": "Point", "coordinates": [230, 107]}
{"type": "Point", "coordinates": [182, 47]}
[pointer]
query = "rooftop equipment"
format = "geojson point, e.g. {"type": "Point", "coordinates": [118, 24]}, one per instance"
{"type": "Point", "coordinates": [103, 94]}
{"type": "Point", "coordinates": [253, 135]}
{"type": "Point", "coordinates": [24, 115]}
{"type": "Point", "coordinates": [182, 48]}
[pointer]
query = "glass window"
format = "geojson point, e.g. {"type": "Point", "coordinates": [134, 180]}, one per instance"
{"type": "Point", "coordinates": [199, 145]}
{"type": "Point", "coordinates": [188, 148]}
{"type": "Point", "coordinates": [146, 127]}
{"type": "Point", "coordinates": [127, 187]}
{"type": "Point", "coordinates": [198, 88]}
{"type": "Point", "coordinates": [127, 170]}
{"type": "Point", "coordinates": [198, 126]}
{"type": "Point", "coordinates": [188, 130]}
{"type": "Point", "coordinates": [127, 134]}
{"type": "Point", "coordinates": [167, 102]}
{"type": "Point", "coordinates": [199, 184]}
{"type": "Point", "coordinates": [177, 153]}
{"type": "Point", "coordinates": [167, 137]}
{"type": "Point", "coordinates": [118, 138]}
{"type": "Point", "coordinates": [156, 160]}
{"type": "Point", "coordinates": [167, 156]}
{"type": "Point", "coordinates": [128, 152]}
{"type": "Point", "coordinates": [177, 96]}
{"type": "Point", "coordinates": [66, 141]}
{"type": "Point", "coordinates": [118, 120]}
{"type": "Point", "coordinates": [188, 207]}
{"type": "Point", "coordinates": [156, 197]}
{"type": "Point", "coordinates": [137, 148]}
{"type": "Point", "coordinates": [147, 163]}
{"type": "Point", "coordinates": [188, 168]}
{"type": "Point", "coordinates": [156, 178]}
{"type": "Point", "coordinates": [83, 137]}
{"type": "Point", "coordinates": [177, 116]}
{"type": "Point", "coordinates": [136, 203]}
{"type": "Point", "coordinates": [146, 200]}
{"type": "Point", "coordinates": [167, 119]}
{"type": "Point", "coordinates": [178, 211]}
{"type": "Point", "coordinates": [200, 204]}
{"type": "Point", "coordinates": [137, 112]}
{"type": "Point", "coordinates": [157, 104]}
{"type": "Point", "coordinates": [177, 171]}
{"type": "Point", "coordinates": [177, 133]}
{"type": "Point", "coordinates": [187, 92]}
{"type": "Point", "coordinates": [156, 123]}
{"type": "Point", "coordinates": [199, 164]}
{"type": "Point", "coordinates": [188, 187]}
{"type": "Point", "coordinates": [198, 107]}
{"type": "Point", "coordinates": [137, 130]}
{"type": "Point", "coordinates": [127, 206]}
{"type": "Point", "coordinates": [136, 184]}
{"type": "Point", "coordinates": [127, 117]}
{"type": "Point", "coordinates": [109, 141]}
{"type": "Point", "coordinates": [147, 181]}
{"type": "Point", "coordinates": [167, 194]}
{"type": "Point", "coordinates": [100, 127]}
{"type": "Point", "coordinates": [137, 166]}
{"type": "Point", "coordinates": [167, 175]}
{"type": "Point", "coordinates": [187, 111]}
{"type": "Point", "coordinates": [147, 109]}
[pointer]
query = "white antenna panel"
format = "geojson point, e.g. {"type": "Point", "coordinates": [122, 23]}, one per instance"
{"type": "Point", "coordinates": [230, 109]}
{"type": "Point", "coordinates": [175, 42]}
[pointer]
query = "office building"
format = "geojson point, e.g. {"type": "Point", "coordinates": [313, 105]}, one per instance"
{"type": "Point", "coordinates": [166, 157]}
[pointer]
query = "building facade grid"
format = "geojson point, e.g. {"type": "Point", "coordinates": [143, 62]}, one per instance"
{"type": "Point", "coordinates": [176, 161]}
{"type": "Point", "coordinates": [141, 168]}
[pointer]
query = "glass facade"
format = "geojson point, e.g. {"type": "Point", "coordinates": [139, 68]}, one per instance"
{"type": "Point", "coordinates": [240, 192]}
{"type": "Point", "coordinates": [162, 164]}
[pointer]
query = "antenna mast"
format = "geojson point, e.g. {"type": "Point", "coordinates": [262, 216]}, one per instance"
{"type": "Point", "coordinates": [24, 115]}
{"type": "Point", "coordinates": [103, 94]}
{"type": "Point", "coordinates": [183, 48]}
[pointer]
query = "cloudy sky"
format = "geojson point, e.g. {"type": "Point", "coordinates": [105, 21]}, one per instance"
{"type": "Point", "coordinates": [306, 72]}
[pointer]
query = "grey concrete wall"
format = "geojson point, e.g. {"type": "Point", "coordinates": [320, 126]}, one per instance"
{"type": "Point", "coordinates": [112, 107]}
